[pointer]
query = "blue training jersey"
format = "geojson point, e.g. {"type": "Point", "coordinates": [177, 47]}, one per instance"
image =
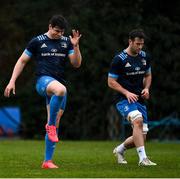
{"type": "Point", "coordinates": [50, 55]}
{"type": "Point", "coordinates": [130, 71]}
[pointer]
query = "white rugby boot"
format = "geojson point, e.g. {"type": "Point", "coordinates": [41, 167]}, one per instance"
{"type": "Point", "coordinates": [120, 157]}
{"type": "Point", "coordinates": [146, 162]}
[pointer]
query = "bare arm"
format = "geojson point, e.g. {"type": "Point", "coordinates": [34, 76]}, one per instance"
{"type": "Point", "coordinates": [147, 83]}
{"type": "Point", "coordinates": [112, 83]}
{"type": "Point", "coordinates": [75, 58]}
{"type": "Point", "coordinates": [18, 68]}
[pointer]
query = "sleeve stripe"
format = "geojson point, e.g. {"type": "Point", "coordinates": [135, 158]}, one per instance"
{"type": "Point", "coordinates": [148, 70]}
{"type": "Point", "coordinates": [71, 52]}
{"type": "Point", "coordinates": [113, 75]}
{"type": "Point", "coordinates": [28, 53]}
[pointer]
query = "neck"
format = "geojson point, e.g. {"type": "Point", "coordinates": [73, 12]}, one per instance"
{"type": "Point", "coordinates": [49, 35]}
{"type": "Point", "coordinates": [130, 52]}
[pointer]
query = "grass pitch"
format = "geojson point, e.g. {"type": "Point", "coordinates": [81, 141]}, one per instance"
{"type": "Point", "coordinates": [86, 159]}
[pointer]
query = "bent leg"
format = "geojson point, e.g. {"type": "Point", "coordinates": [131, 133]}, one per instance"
{"type": "Point", "coordinates": [129, 142]}
{"type": "Point", "coordinates": [48, 87]}
{"type": "Point", "coordinates": [49, 145]}
{"type": "Point", "coordinates": [57, 92]}
{"type": "Point", "coordinates": [137, 132]}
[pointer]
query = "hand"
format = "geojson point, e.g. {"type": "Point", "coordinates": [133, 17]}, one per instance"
{"type": "Point", "coordinates": [10, 87]}
{"type": "Point", "coordinates": [75, 37]}
{"type": "Point", "coordinates": [145, 93]}
{"type": "Point", "coordinates": [131, 97]}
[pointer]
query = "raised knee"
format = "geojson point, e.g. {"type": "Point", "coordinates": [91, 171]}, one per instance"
{"type": "Point", "coordinates": [133, 115]}
{"type": "Point", "coordinates": [138, 123]}
{"type": "Point", "coordinates": [60, 91]}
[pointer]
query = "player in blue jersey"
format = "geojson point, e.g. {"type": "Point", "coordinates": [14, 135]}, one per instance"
{"type": "Point", "coordinates": [50, 51]}
{"type": "Point", "coordinates": [130, 76]}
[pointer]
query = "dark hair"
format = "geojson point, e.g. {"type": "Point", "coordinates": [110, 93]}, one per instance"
{"type": "Point", "coordinates": [137, 33]}
{"type": "Point", "coordinates": [59, 21]}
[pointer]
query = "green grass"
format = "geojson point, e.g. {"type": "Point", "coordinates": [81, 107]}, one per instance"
{"type": "Point", "coordinates": [78, 159]}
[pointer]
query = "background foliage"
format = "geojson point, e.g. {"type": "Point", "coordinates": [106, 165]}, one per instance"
{"type": "Point", "coordinates": [104, 26]}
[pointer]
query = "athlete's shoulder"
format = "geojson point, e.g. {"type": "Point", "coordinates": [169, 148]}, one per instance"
{"type": "Point", "coordinates": [38, 38]}
{"type": "Point", "coordinates": [66, 42]}
{"type": "Point", "coordinates": [64, 38]}
{"type": "Point", "coordinates": [121, 55]}
{"type": "Point", "coordinates": [145, 55]}
{"type": "Point", "coordinates": [41, 37]}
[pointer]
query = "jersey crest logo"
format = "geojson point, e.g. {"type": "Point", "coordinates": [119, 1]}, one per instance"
{"type": "Point", "coordinates": [128, 64]}
{"type": "Point", "coordinates": [137, 68]}
{"type": "Point", "coordinates": [43, 45]}
{"type": "Point", "coordinates": [63, 45]}
{"type": "Point", "coordinates": [143, 61]}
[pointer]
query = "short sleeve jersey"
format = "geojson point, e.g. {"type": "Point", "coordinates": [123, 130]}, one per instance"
{"type": "Point", "coordinates": [50, 55]}
{"type": "Point", "coordinates": [130, 71]}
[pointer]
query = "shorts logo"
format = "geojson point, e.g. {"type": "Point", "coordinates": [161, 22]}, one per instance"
{"type": "Point", "coordinates": [126, 108]}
